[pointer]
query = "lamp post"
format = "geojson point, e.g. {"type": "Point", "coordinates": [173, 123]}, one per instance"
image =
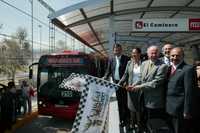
{"type": "Point", "coordinates": [31, 1]}
{"type": "Point", "coordinates": [40, 27]}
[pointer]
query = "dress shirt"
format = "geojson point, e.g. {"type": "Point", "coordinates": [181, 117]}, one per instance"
{"type": "Point", "coordinates": [167, 61]}
{"type": "Point", "coordinates": [117, 58]}
{"type": "Point", "coordinates": [136, 73]}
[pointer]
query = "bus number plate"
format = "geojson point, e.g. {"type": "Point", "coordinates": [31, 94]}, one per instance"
{"type": "Point", "coordinates": [66, 94]}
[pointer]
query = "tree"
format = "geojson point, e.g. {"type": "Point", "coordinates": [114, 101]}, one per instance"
{"type": "Point", "coordinates": [2, 57]}
{"type": "Point", "coordinates": [22, 34]}
{"type": "Point", "coordinates": [61, 45]}
{"type": "Point", "coordinates": [1, 26]}
{"type": "Point", "coordinates": [12, 56]}
{"type": "Point", "coordinates": [15, 53]}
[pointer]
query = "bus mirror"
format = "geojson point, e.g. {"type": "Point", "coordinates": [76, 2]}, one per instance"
{"type": "Point", "coordinates": [30, 73]}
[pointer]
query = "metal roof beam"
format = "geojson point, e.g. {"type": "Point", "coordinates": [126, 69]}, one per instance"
{"type": "Point", "coordinates": [75, 7]}
{"type": "Point", "coordinates": [135, 10]}
{"type": "Point", "coordinates": [47, 6]}
{"type": "Point", "coordinates": [160, 8]}
{"type": "Point", "coordinates": [193, 42]}
{"type": "Point", "coordinates": [184, 38]}
{"type": "Point", "coordinates": [111, 7]}
{"type": "Point", "coordinates": [91, 27]}
{"type": "Point", "coordinates": [170, 34]}
{"type": "Point", "coordinates": [149, 4]}
{"type": "Point", "coordinates": [186, 5]}
{"type": "Point", "coordinates": [136, 38]}
{"type": "Point", "coordinates": [96, 44]}
{"type": "Point", "coordinates": [61, 26]}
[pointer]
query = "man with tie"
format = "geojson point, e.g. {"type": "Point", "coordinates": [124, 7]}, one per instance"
{"type": "Point", "coordinates": [152, 80]}
{"type": "Point", "coordinates": [181, 99]}
{"type": "Point", "coordinates": [116, 68]}
{"type": "Point", "coordinates": [166, 52]}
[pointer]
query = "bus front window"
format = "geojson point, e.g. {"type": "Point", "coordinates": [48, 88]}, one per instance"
{"type": "Point", "coordinates": [43, 76]}
{"type": "Point", "coordinates": [59, 73]}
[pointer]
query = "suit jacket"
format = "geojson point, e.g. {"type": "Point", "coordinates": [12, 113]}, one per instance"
{"type": "Point", "coordinates": [163, 60]}
{"type": "Point", "coordinates": [128, 74]}
{"type": "Point", "coordinates": [181, 92]}
{"type": "Point", "coordinates": [153, 84]}
{"type": "Point", "coordinates": [111, 66]}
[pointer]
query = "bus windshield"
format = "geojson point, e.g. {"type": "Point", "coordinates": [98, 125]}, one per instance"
{"type": "Point", "coordinates": [59, 73]}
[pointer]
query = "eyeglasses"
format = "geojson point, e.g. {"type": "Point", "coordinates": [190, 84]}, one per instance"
{"type": "Point", "coordinates": [175, 55]}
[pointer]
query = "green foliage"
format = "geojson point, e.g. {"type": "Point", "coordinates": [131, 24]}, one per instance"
{"type": "Point", "coordinates": [15, 53]}
{"type": "Point", "coordinates": [61, 45]}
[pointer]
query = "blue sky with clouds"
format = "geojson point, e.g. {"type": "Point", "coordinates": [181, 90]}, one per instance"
{"type": "Point", "coordinates": [11, 19]}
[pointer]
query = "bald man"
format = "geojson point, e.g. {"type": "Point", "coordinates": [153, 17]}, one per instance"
{"type": "Point", "coordinates": [180, 92]}
{"type": "Point", "coordinates": [152, 80]}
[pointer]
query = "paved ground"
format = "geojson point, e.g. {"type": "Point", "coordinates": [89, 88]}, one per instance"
{"type": "Point", "coordinates": [40, 124]}
{"type": "Point", "coordinates": [43, 124]}
{"type": "Point", "coordinates": [113, 116]}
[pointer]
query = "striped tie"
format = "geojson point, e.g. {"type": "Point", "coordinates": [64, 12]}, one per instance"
{"type": "Point", "coordinates": [151, 65]}
{"type": "Point", "coordinates": [173, 70]}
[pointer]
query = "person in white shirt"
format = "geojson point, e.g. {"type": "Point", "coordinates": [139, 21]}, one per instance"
{"type": "Point", "coordinates": [26, 89]}
{"type": "Point", "coordinates": [116, 67]}
{"type": "Point", "coordinates": [130, 77]}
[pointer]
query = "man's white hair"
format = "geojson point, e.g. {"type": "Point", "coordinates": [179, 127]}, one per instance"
{"type": "Point", "coordinates": [152, 47]}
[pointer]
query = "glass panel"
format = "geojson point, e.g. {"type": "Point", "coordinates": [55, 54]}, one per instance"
{"type": "Point", "coordinates": [59, 73]}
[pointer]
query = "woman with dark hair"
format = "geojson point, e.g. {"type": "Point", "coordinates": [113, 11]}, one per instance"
{"type": "Point", "coordinates": [131, 77]}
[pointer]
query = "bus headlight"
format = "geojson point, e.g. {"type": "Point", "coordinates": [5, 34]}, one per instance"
{"type": "Point", "coordinates": [40, 102]}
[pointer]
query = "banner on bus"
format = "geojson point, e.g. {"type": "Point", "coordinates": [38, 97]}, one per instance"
{"type": "Point", "coordinates": [94, 103]}
{"type": "Point", "coordinates": [166, 25]}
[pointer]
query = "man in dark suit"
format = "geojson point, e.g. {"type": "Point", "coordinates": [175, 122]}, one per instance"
{"type": "Point", "coordinates": [181, 93]}
{"type": "Point", "coordinates": [116, 68]}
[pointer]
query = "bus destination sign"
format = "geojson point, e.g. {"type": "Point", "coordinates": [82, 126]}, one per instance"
{"type": "Point", "coordinates": [64, 60]}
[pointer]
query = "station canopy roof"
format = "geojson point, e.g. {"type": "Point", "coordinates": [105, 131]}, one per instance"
{"type": "Point", "coordinates": [91, 22]}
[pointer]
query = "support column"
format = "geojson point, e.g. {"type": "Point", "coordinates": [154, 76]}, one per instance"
{"type": "Point", "coordinates": [195, 52]}
{"type": "Point", "coordinates": [111, 34]}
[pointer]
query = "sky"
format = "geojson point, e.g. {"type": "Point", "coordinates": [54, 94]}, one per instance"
{"type": "Point", "coordinates": [12, 19]}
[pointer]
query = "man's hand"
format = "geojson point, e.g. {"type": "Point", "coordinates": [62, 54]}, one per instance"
{"type": "Point", "coordinates": [187, 116]}
{"type": "Point", "coordinates": [104, 78]}
{"type": "Point", "coordinates": [133, 88]}
{"type": "Point", "coordinates": [136, 88]}
{"type": "Point", "coordinates": [129, 88]}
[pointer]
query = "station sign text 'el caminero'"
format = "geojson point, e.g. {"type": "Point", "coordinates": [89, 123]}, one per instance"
{"type": "Point", "coordinates": [167, 25]}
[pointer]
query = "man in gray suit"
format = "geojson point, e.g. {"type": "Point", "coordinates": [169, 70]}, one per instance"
{"type": "Point", "coordinates": [153, 78]}
{"type": "Point", "coordinates": [181, 93]}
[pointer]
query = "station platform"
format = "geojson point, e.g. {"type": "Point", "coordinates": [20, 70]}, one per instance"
{"type": "Point", "coordinates": [21, 121]}
{"type": "Point", "coordinates": [113, 125]}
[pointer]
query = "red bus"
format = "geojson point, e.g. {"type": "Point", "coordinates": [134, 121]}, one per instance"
{"type": "Point", "coordinates": [52, 69]}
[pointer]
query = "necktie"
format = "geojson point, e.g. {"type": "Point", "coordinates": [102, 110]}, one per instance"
{"type": "Point", "coordinates": [151, 66]}
{"type": "Point", "coordinates": [173, 69]}
{"type": "Point", "coordinates": [117, 69]}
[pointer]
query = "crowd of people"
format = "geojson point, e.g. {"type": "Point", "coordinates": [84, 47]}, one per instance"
{"type": "Point", "coordinates": [157, 87]}
{"type": "Point", "coordinates": [14, 103]}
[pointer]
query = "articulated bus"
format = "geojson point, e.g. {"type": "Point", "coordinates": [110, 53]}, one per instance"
{"type": "Point", "coordinates": [52, 69]}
